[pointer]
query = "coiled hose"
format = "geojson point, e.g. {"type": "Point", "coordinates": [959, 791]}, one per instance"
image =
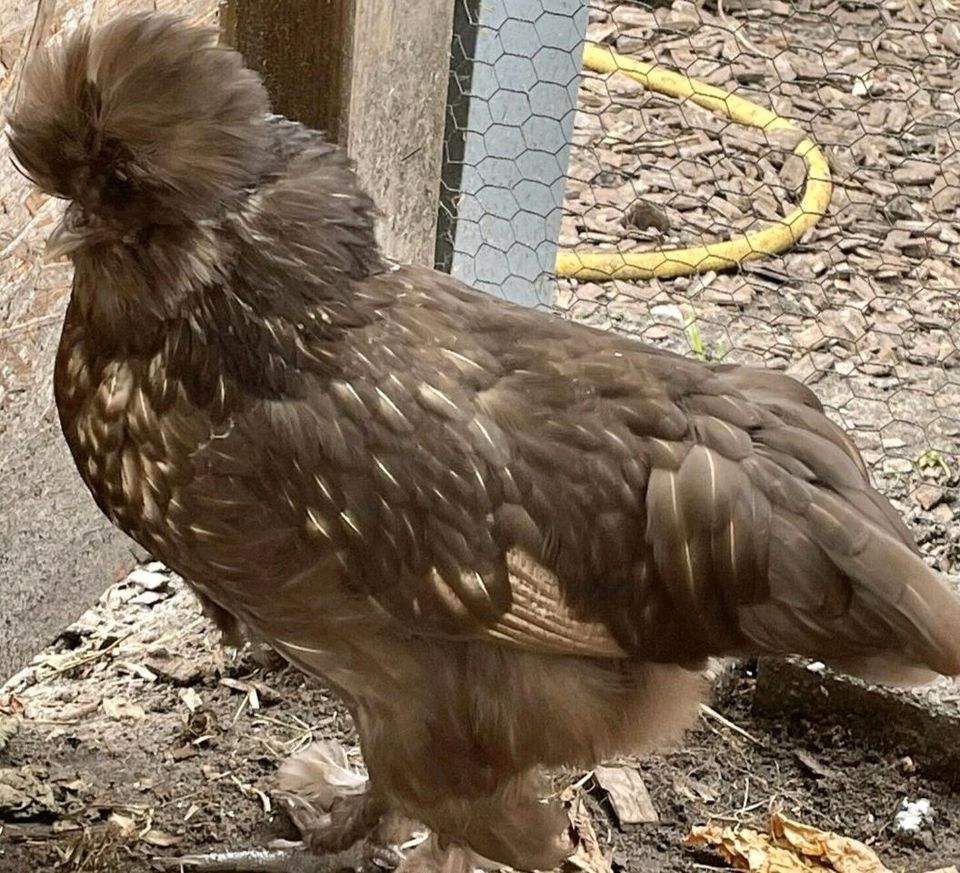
{"type": "Point", "coordinates": [593, 264]}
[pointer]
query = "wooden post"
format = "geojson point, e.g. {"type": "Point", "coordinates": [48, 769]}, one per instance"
{"type": "Point", "coordinates": [372, 74]}
{"type": "Point", "coordinates": [302, 50]}
{"type": "Point", "coordinates": [460, 110]}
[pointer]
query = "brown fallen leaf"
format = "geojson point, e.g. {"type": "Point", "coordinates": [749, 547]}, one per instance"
{"type": "Point", "coordinates": [160, 839]}
{"type": "Point", "coordinates": [589, 856]}
{"type": "Point", "coordinates": [9, 727]}
{"type": "Point", "coordinates": [120, 709]}
{"type": "Point", "coordinates": [694, 789]}
{"type": "Point", "coordinates": [747, 849]}
{"type": "Point", "coordinates": [190, 699]}
{"type": "Point", "coordinates": [25, 793]}
{"type": "Point", "coordinates": [627, 794]}
{"type": "Point", "coordinates": [790, 847]}
{"type": "Point", "coordinates": [843, 854]}
{"type": "Point", "coordinates": [124, 823]}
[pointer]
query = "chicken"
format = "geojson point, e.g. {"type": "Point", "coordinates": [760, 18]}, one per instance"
{"type": "Point", "coordinates": [474, 520]}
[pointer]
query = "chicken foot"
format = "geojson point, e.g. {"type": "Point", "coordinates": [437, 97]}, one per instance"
{"type": "Point", "coordinates": [343, 822]}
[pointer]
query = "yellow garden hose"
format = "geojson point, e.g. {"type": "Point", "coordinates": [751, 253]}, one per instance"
{"type": "Point", "coordinates": [592, 264]}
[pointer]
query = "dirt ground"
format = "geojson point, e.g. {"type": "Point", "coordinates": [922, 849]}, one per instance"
{"type": "Point", "coordinates": [140, 738]}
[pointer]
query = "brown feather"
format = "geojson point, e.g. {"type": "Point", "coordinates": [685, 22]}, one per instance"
{"type": "Point", "coordinates": [144, 122]}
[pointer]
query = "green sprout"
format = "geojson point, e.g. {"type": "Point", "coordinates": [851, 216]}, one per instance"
{"type": "Point", "coordinates": [700, 350]}
{"type": "Point", "coordinates": [931, 459]}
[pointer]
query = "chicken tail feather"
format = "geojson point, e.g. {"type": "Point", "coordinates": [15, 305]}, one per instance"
{"type": "Point", "coordinates": [913, 601]}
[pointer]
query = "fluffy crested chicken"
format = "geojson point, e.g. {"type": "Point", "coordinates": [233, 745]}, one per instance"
{"type": "Point", "coordinates": [474, 520]}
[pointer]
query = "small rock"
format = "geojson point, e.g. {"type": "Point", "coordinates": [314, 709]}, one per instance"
{"type": "Point", "coordinates": [668, 312]}
{"type": "Point", "coordinates": [739, 293]}
{"type": "Point", "coordinates": [929, 348]}
{"type": "Point", "coordinates": [642, 215]}
{"type": "Point", "coordinates": [928, 496]}
{"type": "Point", "coordinates": [605, 33]}
{"type": "Point", "coordinates": [589, 291]}
{"type": "Point", "coordinates": [846, 324]}
{"type": "Point", "coordinates": [632, 16]}
{"type": "Point", "coordinates": [811, 338]}
{"type": "Point", "coordinates": [149, 598]}
{"type": "Point", "coordinates": [950, 37]}
{"type": "Point", "coordinates": [897, 465]}
{"type": "Point", "coordinates": [683, 17]}
{"type": "Point", "coordinates": [174, 669]}
{"type": "Point", "coordinates": [120, 709]}
{"type": "Point", "coordinates": [946, 192]}
{"type": "Point", "coordinates": [942, 513]}
{"type": "Point", "coordinates": [914, 172]}
{"type": "Point", "coordinates": [900, 207]}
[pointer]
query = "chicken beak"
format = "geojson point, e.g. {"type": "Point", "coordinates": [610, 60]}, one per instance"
{"type": "Point", "coordinates": [61, 242]}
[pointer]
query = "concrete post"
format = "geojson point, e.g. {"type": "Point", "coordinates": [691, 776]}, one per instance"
{"type": "Point", "coordinates": [514, 74]}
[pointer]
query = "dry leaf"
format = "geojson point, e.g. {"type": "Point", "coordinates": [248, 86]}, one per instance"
{"type": "Point", "coordinates": [25, 793]}
{"type": "Point", "coordinates": [790, 847]}
{"type": "Point", "coordinates": [149, 580]}
{"type": "Point", "coordinates": [747, 850]}
{"type": "Point", "coordinates": [248, 688]}
{"type": "Point", "coordinates": [124, 823]}
{"type": "Point", "coordinates": [255, 690]}
{"type": "Point", "coordinates": [842, 854]}
{"type": "Point", "coordinates": [588, 855]}
{"type": "Point", "coordinates": [190, 699]}
{"type": "Point", "coordinates": [160, 839]}
{"type": "Point", "coordinates": [627, 794]}
{"type": "Point", "coordinates": [321, 773]}
{"type": "Point", "coordinates": [10, 704]}
{"type": "Point", "coordinates": [120, 709]}
{"type": "Point", "coordinates": [35, 201]}
{"type": "Point", "coordinates": [137, 670]}
{"type": "Point", "coordinates": [9, 727]}
{"type": "Point", "coordinates": [694, 789]}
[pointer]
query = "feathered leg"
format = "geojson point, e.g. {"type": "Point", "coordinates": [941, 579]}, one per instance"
{"type": "Point", "coordinates": [511, 827]}
{"type": "Point", "coordinates": [335, 806]}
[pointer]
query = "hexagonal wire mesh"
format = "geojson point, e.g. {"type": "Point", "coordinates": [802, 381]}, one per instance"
{"type": "Point", "coordinates": [865, 308]}
{"type": "Point", "coordinates": [515, 73]}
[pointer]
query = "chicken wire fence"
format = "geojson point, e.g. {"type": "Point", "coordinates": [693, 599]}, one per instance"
{"type": "Point", "coordinates": [543, 154]}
